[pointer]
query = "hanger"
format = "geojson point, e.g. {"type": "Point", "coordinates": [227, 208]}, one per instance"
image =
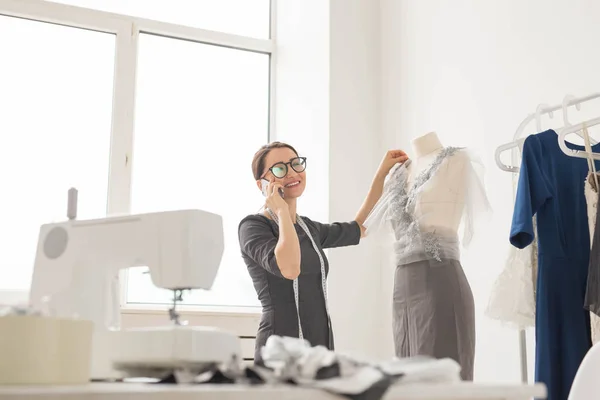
{"type": "Point", "coordinates": [519, 138]}
{"type": "Point", "coordinates": [570, 128]}
{"type": "Point", "coordinates": [571, 100]}
{"type": "Point", "coordinates": [518, 141]}
{"type": "Point", "coordinates": [577, 129]}
{"type": "Point", "coordinates": [508, 146]}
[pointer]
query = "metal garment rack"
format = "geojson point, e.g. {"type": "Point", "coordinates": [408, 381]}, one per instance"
{"type": "Point", "coordinates": [517, 143]}
{"type": "Point", "coordinates": [544, 109]}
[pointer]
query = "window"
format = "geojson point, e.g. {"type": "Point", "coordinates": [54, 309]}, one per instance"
{"type": "Point", "coordinates": [56, 104]}
{"type": "Point", "coordinates": [201, 112]}
{"type": "Point", "coordinates": [240, 17]}
{"type": "Point", "coordinates": [138, 115]}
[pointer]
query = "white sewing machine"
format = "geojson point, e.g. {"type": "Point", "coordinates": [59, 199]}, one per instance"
{"type": "Point", "coordinates": [76, 273]}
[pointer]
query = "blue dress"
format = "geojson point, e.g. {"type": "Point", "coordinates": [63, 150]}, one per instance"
{"type": "Point", "coordinates": [551, 185]}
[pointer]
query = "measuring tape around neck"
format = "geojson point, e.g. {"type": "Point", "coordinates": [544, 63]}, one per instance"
{"type": "Point", "coordinates": [323, 273]}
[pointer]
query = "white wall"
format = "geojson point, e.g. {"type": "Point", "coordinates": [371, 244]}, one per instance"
{"type": "Point", "coordinates": [327, 105]}
{"type": "Point", "coordinates": [355, 151]}
{"type": "Point", "coordinates": [472, 70]}
{"type": "Point", "coordinates": [302, 93]}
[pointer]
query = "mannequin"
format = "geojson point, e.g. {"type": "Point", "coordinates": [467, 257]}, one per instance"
{"type": "Point", "coordinates": [442, 200]}
{"type": "Point", "coordinates": [425, 201]}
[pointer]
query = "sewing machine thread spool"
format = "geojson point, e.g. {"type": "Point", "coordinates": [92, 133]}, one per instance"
{"type": "Point", "coordinates": [72, 204]}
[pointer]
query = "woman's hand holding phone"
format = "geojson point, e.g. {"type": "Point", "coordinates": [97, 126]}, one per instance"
{"type": "Point", "coordinates": [274, 200]}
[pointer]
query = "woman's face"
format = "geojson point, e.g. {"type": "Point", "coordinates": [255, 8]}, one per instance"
{"type": "Point", "coordinates": [279, 167]}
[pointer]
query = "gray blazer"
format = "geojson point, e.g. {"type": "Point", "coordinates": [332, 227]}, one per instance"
{"type": "Point", "coordinates": [258, 237]}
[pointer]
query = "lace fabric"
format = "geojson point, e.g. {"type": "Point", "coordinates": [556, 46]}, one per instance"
{"type": "Point", "coordinates": [396, 210]}
{"type": "Point", "coordinates": [512, 298]}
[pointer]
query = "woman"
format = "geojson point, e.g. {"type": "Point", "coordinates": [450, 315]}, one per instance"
{"type": "Point", "coordinates": [284, 252]}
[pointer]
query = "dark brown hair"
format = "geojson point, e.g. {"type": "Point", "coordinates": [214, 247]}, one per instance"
{"type": "Point", "coordinates": [258, 162]}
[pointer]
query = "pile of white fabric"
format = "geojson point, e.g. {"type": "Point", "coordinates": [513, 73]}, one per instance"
{"type": "Point", "coordinates": [293, 361]}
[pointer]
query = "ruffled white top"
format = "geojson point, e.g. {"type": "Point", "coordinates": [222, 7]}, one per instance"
{"type": "Point", "coordinates": [424, 211]}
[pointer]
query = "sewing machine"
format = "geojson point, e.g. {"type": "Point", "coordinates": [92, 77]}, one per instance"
{"type": "Point", "coordinates": [76, 274]}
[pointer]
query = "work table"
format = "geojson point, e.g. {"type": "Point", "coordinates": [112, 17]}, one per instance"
{"type": "Point", "coordinates": [135, 391]}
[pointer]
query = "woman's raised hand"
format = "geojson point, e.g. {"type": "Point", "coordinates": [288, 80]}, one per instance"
{"type": "Point", "coordinates": [391, 158]}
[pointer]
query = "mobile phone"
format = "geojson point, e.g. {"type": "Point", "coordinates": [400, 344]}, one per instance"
{"type": "Point", "coordinates": [265, 185]}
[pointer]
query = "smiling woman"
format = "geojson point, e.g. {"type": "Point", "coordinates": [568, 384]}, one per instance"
{"type": "Point", "coordinates": [284, 251]}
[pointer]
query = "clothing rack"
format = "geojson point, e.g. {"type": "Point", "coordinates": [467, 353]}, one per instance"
{"type": "Point", "coordinates": [519, 139]}
{"type": "Point", "coordinates": [541, 110]}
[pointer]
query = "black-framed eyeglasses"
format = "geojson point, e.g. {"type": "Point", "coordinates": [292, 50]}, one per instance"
{"type": "Point", "coordinates": [280, 169]}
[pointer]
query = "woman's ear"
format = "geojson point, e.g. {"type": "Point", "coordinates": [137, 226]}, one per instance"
{"type": "Point", "coordinates": [259, 185]}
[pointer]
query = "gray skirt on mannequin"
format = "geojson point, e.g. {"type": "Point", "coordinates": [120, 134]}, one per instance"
{"type": "Point", "coordinates": [434, 313]}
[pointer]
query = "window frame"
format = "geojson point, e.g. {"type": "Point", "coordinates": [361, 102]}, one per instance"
{"type": "Point", "coordinates": [127, 30]}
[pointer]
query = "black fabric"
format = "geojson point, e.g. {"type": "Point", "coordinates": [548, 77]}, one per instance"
{"type": "Point", "coordinates": [592, 292]}
{"type": "Point", "coordinates": [258, 237]}
{"type": "Point", "coordinates": [219, 377]}
{"type": "Point", "coordinates": [253, 377]}
{"type": "Point", "coordinates": [329, 372]}
{"type": "Point", "coordinates": [168, 379]}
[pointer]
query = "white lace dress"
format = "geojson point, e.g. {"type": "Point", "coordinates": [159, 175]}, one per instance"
{"type": "Point", "coordinates": [512, 299]}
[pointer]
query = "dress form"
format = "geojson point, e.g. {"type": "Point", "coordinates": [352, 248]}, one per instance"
{"type": "Point", "coordinates": [424, 202]}
{"type": "Point", "coordinates": [442, 199]}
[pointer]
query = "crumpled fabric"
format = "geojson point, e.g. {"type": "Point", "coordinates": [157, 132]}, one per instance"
{"type": "Point", "coordinates": [293, 361]}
